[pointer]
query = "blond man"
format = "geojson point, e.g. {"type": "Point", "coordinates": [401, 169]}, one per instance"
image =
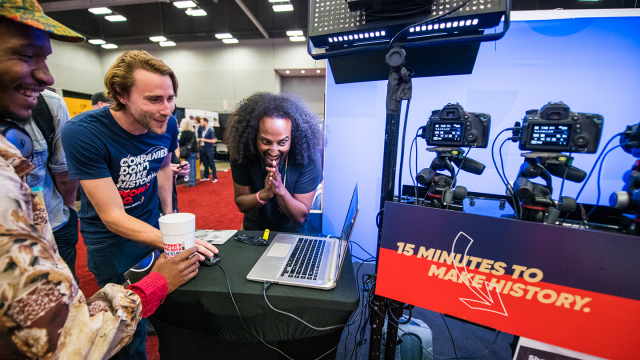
{"type": "Point", "coordinates": [122, 156]}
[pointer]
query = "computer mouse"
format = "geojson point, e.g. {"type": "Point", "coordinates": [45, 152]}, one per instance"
{"type": "Point", "coordinates": [210, 260]}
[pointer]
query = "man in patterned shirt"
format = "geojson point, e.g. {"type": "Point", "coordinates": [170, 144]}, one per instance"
{"type": "Point", "coordinates": [43, 314]}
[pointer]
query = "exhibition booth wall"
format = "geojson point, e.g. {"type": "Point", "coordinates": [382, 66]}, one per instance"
{"type": "Point", "coordinates": [209, 72]}
{"type": "Point", "coordinates": [587, 59]}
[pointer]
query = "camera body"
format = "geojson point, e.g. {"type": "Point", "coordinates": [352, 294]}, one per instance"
{"type": "Point", "coordinates": [556, 129]}
{"type": "Point", "coordinates": [454, 127]}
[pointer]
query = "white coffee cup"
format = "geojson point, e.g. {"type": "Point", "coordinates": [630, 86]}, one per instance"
{"type": "Point", "coordinates": [178, 233]}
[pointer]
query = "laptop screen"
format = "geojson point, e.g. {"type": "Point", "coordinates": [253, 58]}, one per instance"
{"type": "Point", "coordinates": [351, 216]}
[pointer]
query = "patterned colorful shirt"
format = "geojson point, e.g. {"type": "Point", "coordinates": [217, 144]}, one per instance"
{"type": "Point", "coordinates": [43, 313]}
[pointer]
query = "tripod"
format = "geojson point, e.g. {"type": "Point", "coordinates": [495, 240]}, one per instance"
{"type": "Point", "coordinates": [537, 204]}
{"type": "Point", "coordinates": [629, 199]}
{"type": "Point", "coordinates": [443, 191]}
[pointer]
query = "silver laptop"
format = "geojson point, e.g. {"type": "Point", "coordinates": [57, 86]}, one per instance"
{"type": "Point", "coordinates": [306, 261]}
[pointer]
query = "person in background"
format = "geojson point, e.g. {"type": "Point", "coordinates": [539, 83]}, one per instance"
{"type": "Point", "coordinates": [274, 142]}
{"type": "Point", "coordinates": [122, 156]}
{"type": "Point", "coordinates": [44, 314]}
{"type": "Point", "coordinates": [50, 175]}
{"type": "Point", "coordinates": [207, 151]}
{"type": "Point", "coordinates": [188, 149]}
{"type": "Point", "coordinates": [196, 125]}
{"type": "Point", "coordinates": [99, 100]}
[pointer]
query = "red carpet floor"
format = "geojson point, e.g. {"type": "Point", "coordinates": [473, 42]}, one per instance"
{"type": "Point", "coordinates": [213, 205]}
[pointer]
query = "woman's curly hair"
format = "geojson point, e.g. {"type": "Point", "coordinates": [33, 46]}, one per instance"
{"type": "Point", "coordinates": [242, 129]}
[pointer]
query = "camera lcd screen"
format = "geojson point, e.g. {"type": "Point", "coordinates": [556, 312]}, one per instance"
{"type": "Point", "coordinates": [550, 135]}
{"type": "Point", "coordinates": [447, 131]}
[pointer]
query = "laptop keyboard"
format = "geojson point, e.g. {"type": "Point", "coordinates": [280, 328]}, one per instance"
{"type": "Point", "coordinates": [304, 262]}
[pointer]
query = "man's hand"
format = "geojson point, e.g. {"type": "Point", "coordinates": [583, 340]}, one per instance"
{"type": "Point", "coordinates": [275, 182]}
{"type": "Point", "coordinates": [205, 248]}
{"type": "Point", "coordinates": [179, 269]}
{"type": "Point", "coordinates": [266, 193]}
{"type": "Point", "coordinates": [181, 169]}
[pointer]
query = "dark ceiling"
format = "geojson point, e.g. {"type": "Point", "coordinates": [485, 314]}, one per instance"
{"type": "Point", "coordinates": [149, 18]}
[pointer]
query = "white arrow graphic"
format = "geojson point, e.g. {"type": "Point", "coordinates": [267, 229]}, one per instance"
{"type": "Point", "coordinates": [486, 302]}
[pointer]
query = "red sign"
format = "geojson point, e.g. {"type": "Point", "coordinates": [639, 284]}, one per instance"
{"type": "Point", "coordinates": [572, 288]}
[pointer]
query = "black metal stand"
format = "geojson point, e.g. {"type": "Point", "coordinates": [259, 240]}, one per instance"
{"type": "Point", "coordinates": [398, 89]}
{"type": "Point", "coordinates": [537, 204]}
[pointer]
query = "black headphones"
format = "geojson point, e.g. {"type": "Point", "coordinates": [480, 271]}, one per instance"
{"type": "Point", "coordinates": [17, 136]}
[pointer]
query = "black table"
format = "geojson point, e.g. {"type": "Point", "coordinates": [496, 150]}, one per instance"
{"type": "Point", "coordinates": [199, 320]}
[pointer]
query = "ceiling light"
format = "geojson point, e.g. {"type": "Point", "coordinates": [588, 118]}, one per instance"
{"type": "Point", "coordinates": [184, 4]}
{"type": "Point", "coordinates": [297, 38]}
{"type": "Point", "coordinates": [110, 46]}
{"type": "Point", "coordinates": [318, 71]}
{"type": "Point", "coordinates": [158, 38]}
{"type": "Point", "coordinates": [196, 12]}
{"type": "Point", "coordinates": [115, 18]}
{"type": "Point", "coordinates": [280, 8]}
{"type": "Point", "coordinates": [167, 43]}
{"type": "Point", "coordinates": [287, 71]}
{"type": "Point", "coordinates": [224, 36]}
{"type": "Point", "coordinates": [302, 71]}
{"type": "Point", "coordinates": [294, 33]}
{"type": "Point", "coordinates": [230, 41]}
{"type": "Point", "coordinates": [97, 41]}
{"type": "Point", "coordinates": [100, 11]}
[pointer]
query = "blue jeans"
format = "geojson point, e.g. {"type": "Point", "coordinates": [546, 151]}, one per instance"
{"type": "Point", "coordinates": [67, 238]}
{"type": "Point", "coordinates": [108, 263]}
{"type": "Point", "coordinates": [206, 158]}
{"type": "Point", "coordinates": [192, 171]}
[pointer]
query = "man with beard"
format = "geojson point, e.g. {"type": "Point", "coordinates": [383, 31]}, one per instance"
{"type": "Point", "coordinates": [275, 143]}
{"type": "Point", "coordinates": [122, 155]}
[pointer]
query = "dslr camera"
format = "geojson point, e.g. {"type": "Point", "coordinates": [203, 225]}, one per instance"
{"type": "Point", "coordinates": [454, 127]}
{"type": "Point", "coordinates": [556, 129]}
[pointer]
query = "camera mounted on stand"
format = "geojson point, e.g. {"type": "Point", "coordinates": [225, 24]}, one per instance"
{"type": "Point", "coordinates": [448, 130]}
{"type": "Point", "coordinates": [628, 200]}
{"type": "Point", "coordinates": [547, 133]}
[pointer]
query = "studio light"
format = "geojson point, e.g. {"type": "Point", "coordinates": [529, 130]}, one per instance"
{"type": "Point", "coordinates": [224, 36]}
{"type": "Point", "coordinates": [295, 33]}
{"type": "Point", "coordinates": [184, 4]}
{"type": "Point", "coordinates": [97, 41]}
{"type": "Point", "coordinates": [230, 41]}
{"type": "Point", "coordinates": [115, 18]}
{"type": "Point", "coordinates": [167, 43]}
{"type": "Point", "coordinates": [196, 12]}
{"type": "Point", "coordinates": [100, 11]}
{"type": "Point", "coordinates": [158, 38]}
{"type": "Point", "coordinates": [281, 8]}
{"type": "Point", "coordinates": [110, 46]}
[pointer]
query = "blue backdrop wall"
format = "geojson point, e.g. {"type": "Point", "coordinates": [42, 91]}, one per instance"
{"type": "Point", "coordinates": [592, 64]}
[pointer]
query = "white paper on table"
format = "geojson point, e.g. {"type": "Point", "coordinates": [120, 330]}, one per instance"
{"type": "Point", "coordinates": [215, 237]}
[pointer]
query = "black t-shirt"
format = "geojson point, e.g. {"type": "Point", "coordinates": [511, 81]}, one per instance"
{"type": "Point", "coordinates": [300, 179]}
{"type": "Point", "coordinates": [187, 138]}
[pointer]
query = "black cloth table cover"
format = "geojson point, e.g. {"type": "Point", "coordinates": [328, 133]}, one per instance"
{"type": "Point", "coordinates": [199, 320]}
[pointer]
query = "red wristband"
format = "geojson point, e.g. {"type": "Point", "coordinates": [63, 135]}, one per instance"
{"type": "Point", "coordinates": [258, 197]}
